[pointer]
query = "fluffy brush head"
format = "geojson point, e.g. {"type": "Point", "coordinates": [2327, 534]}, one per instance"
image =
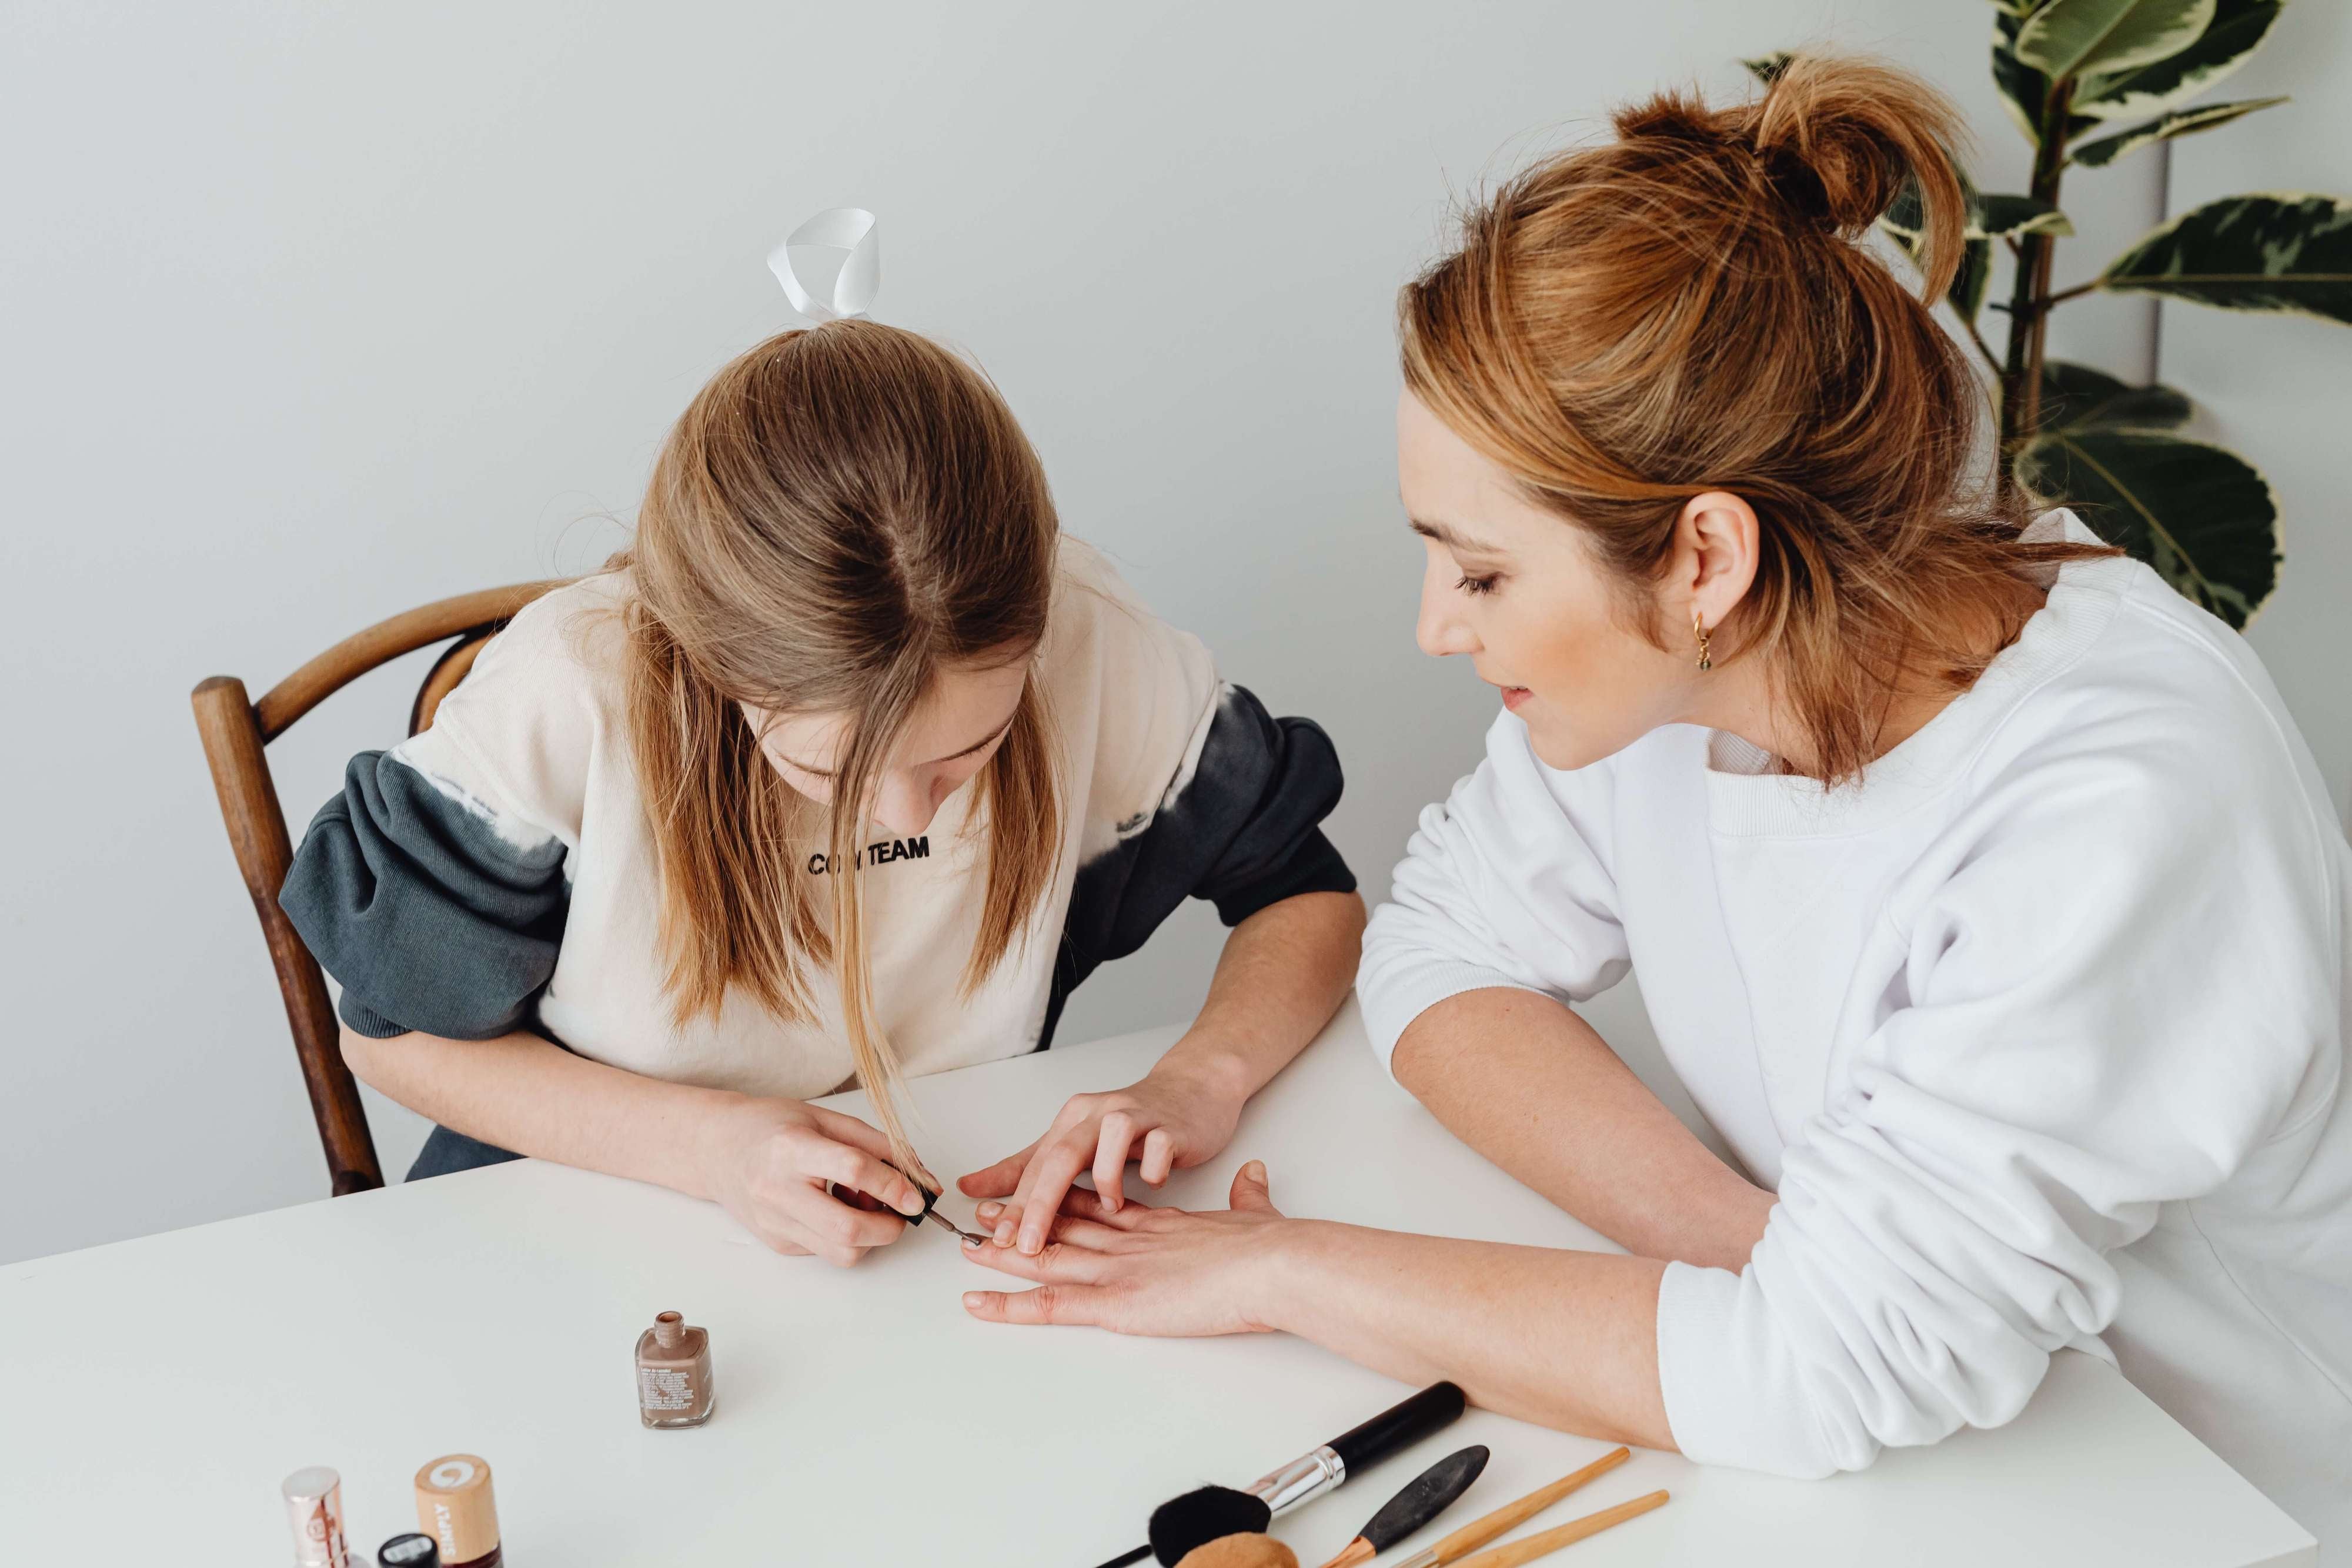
{"type": "Point", "coordinates": [1197, 1518]}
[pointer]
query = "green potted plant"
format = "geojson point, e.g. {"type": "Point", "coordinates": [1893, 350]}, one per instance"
{"type": "Point", "coordinates": [2090, 82]}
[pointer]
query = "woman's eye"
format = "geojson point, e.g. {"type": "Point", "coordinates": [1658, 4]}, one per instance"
{"type": "Point", "coordinates": [1476, 584]}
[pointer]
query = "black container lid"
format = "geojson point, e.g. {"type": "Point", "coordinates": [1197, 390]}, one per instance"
{"type": "Point", "coordinates": [411, 1551]}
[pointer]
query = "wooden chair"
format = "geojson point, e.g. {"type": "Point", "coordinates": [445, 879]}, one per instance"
{"type": "Point", "coordinates": [235, 731]}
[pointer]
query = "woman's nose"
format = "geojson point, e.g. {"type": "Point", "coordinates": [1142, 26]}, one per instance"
{"type": "Point", "coordinates": [1442, 628]}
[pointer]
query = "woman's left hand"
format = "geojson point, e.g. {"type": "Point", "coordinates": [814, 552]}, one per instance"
{"type": "Point", "coordinates": [1166, 1272]}
{"type": "Point", "coordinates": [1177, 1115]}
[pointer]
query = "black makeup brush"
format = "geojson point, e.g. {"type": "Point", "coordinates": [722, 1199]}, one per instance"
{"type": "Point", "coordinates": [1425, 1497]}
{"type": "Point", "coordinates": [1210, 1513]}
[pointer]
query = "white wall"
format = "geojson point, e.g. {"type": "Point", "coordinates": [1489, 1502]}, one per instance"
{"type": "Point", "coordinates": [313, 313]}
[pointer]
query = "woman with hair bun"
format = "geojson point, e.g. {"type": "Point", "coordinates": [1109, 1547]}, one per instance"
{"type": "Point", "coordinates": [1984, 896]}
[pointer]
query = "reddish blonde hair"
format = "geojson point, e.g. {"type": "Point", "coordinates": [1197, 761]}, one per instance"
{"type": "Point", "coordinates": [1688, 308]}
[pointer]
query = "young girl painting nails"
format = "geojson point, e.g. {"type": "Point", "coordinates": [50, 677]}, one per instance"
{"type": "Point", "coordinates": [1984, 896]}
{"type": "Point", "coordinates": [852, 767]}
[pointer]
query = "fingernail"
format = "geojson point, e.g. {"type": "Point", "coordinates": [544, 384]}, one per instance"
{"type": "Point", "coordinates": [989, 1210]}
{"type": "Point", "coordinates": [969, 1240]}
{"type": "Point", "coordinates": [1254, 1170]}
{"type": "Point", "coordinates": [972, 1301]}
{"type": "Point", "coordinates": [1033, 1245]}
{"type": "Point", "coordinates": [1004, 1233]}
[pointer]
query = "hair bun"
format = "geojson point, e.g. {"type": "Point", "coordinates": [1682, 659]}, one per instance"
{"type": "Point", "coordinates": [1829, 145]}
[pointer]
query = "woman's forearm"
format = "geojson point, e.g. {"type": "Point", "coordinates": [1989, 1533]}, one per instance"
{"type": "Point", "coordinates": [1525, 1082]}
{"type": "Point", "coordinates": [1566, 1340]}
{"type": "Point", "coordinates": [1284, 972]}
{"type": "Point", "coordinates": [519, 1092]}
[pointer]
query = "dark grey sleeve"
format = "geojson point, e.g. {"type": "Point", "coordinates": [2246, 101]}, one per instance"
{"type": "Point", "coordinates": [430, 917]}
{"type": "Point", "coordinates": [1244, 833]}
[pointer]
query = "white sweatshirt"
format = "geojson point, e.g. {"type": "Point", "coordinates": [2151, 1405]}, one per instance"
{"type": "Point", "coordinates": [2039, 1032]}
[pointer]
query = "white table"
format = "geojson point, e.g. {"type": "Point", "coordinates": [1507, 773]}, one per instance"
{"type": "Point", "coordinates": [156, 1391]}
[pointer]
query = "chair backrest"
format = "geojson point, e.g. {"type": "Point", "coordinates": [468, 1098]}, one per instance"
{"type": "Point", "coordinates": [235, 732]}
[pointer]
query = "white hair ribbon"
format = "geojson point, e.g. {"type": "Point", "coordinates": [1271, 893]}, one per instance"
{"type": "Point", "coordinates": [846, 229]}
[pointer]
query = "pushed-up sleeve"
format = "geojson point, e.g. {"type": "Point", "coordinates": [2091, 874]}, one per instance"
{"type": "Point", "coordinates": [1197, 792]}
{"type": "Point", "coordinates": [1505, 884]}
{"type": "Point", "coordinates": [2124, 983]}
{"type": "Point", "coordinates": [434, 887]}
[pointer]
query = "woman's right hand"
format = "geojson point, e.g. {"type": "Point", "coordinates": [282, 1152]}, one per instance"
{"type": "Point", "coordinates": [771, 1162]}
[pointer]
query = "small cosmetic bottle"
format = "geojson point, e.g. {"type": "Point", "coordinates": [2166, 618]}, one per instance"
{"type": "Point", "coordinates": [674, 1387]}
{"type": "Point", "coordinates": [408, 1552]}
{"type": "Point", "coordinates": [453, 1506]}
{"type": "Point", "coordinates": [314, 1507]}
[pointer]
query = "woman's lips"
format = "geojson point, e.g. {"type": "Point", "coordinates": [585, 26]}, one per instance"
{"type": "Point", "coordinates": [1513, 695]}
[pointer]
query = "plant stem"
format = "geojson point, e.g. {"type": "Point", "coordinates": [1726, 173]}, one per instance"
{"type": "Point", "coordinates": [2076, 292]}
{"type": "Point", "coordinates": [2029, 301]}
{"type": "Point", "coordinates": [1983, 347]}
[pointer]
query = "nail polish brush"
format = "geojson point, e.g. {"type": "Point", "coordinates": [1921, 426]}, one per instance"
{"type": "Point", "coordinates": [1209, 1514]}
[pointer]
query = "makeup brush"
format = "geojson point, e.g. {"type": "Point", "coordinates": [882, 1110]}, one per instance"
{"type": "Point", "coordinates": [1209, 1514]}
{"type": "Point", "coordinates": [1479, 1532]}
{"type": "Point", "coordinates": [1425, 1497]}
{"type": "Point", "coordinates": [1512, 1553]}
{"type": "Point", "coordinates": [1241, 1552]}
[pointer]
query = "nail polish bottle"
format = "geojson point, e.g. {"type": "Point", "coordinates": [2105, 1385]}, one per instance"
{"type": "Point", "coordinates": [314, 1507]}
{"type": "Point", "coordinates": [674, 1386]}
{"type": "Point", "coordinates": [456, 1508]}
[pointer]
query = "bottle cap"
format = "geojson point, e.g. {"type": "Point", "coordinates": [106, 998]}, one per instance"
{"type": "Point", "coordinates": [314, 1507]}
{"type": "Point", "coordinates": [411, 1551]}
{"type": "Point", "coordinates": [453, 1506]}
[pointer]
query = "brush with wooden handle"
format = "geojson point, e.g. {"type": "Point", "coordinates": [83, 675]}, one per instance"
{"type": "Point", "coordinates": [1479, 1532]}
{"type": "Point", "coordinates": [1513, 1553]}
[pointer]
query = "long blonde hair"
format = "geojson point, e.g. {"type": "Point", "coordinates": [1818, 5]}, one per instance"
{"type": "Point", "coordinates": [839, 514]}
{"type": "Point", "coordinates": [1688, 308]}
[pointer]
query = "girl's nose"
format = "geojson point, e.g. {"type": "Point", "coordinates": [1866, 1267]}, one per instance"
{"type": "Point", "coordinates": [907, 803]}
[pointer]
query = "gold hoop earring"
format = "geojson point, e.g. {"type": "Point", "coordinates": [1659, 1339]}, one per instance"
{"type": "Point", "coordinates": [1698, 627]}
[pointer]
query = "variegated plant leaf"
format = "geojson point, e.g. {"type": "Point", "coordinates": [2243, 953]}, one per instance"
{"type": "Point", "coordinates": [2268, 251]}
{"type": "Point", "coordinates": [2024, 91]}
{"type": "Point", "coordinates": [2075, 396]}
{"type": "Point", "coordinates": [1995, 214]}
{"type": "Point", "coordinates": [2204, 518]}
{"type": "Point", "coordinates": [2071, 38]}
{"type": "Point", "coordinates": [1991, 214]}
{"type": "Point", "coordinates": [1967, 291]}
{"type": "Point", "coordinates": [2237, 27]}
{"type": "Point", "coordinates": [1766, 68]}
{"type": "Point", "coordinates": [1903, 222]}
{"type": "Point", "coordinates": [2180, 122]}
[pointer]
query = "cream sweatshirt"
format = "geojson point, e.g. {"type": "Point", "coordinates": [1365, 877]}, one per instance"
{"type": "Point", "coordinates": [2038, 1031]}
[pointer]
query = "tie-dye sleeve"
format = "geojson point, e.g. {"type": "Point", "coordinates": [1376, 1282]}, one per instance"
{"type": "Point", "coordinates": [434, 887]}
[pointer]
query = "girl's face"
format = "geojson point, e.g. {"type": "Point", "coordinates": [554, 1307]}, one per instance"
{"type": "Point", "coordinates": [1518, 589]}
{"type": "Point", "coordinates": [955, 730]}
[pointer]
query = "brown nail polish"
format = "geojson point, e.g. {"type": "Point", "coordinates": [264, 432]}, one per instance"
{"type": "Point", "coordinates": [453, 1506]}
{"type": "Point", "coordinates": [674, 1383]}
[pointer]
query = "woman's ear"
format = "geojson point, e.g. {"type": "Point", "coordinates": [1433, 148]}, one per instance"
{"type": "Point", "coordinates": [1716, 543]}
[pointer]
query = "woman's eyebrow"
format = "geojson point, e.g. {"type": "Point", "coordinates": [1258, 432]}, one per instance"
{"type": "Point", "coordinates": [1452, 538]}
{"type": "Point", "coordinates": [951, 756]}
